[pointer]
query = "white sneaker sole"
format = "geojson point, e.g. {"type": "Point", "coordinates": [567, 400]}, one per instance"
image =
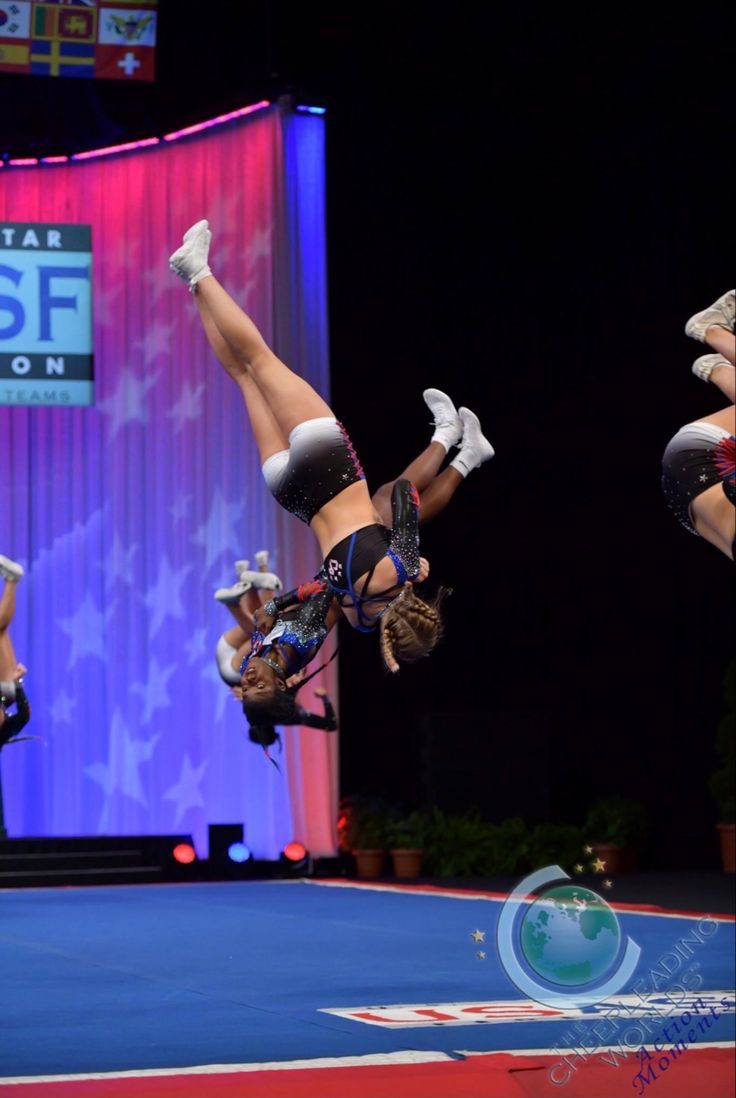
{"type": "Point", "coordinates": [232, 594]}
{"type": "Point", "coordinates": [720, 314]}
{"type": "Point", "coordinates": [704, 366]}
{"type": "Point", "coordinates": [473, 436]}
{"type": "Point", "coordinates": [262, 581]}
{"type": "Point", "coordinates": [10, 569]}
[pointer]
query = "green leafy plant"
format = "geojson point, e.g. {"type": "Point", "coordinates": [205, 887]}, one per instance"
{"type": "Point", "coordinates": [367, 823]}
{"type": "Point", "coordinates": [408, 832]}
{"type": "Point", "coordinates": [723, 780]}
{"type": "Point", "coordinates": [615, 820]}
{"type": "Point", "coordinates": [469, 846]}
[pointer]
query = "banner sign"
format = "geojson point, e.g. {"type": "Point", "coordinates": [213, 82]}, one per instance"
{"type": "Point", "coordinates": [45, 314]}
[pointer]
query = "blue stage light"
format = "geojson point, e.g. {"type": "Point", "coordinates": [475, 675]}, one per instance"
{"type": "Point", "coordinates": [238, 852]}
{"type": "Point", "coordinates": [311, 110]}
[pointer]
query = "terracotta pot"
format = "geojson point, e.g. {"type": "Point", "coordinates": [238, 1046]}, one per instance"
{"type": "Point", "coordinates": [407, 863]}
{"type": "Point", "coordinates": [609, 853]}
{"type": "Point", "coordinates": [369, 863]}
{"type": "Point", "coordinates": [727, 833]}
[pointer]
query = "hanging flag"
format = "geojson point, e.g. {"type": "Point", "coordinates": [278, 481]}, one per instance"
{"type": "Point", "coordinates": [79, 26]}
{"type": "Point", "coordinates": [15, 57]}
{"type": "Point", "coordinates": [44, 21]}
{"type": "Point", "coordinates": [119, 37]}
{"type": "Point", "coordinates": [124, 63]}
{"type": "Point", "coordinates": [15, 19]}
{"type": "Point", "coordinates": [55, 58]}
{"type": "Point", "coordinates": [131, 27]}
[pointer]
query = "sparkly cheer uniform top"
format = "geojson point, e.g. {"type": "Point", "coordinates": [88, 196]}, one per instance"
{"type": "Point", "coordinates": [360, 553]}
{"type": "Point", "coordinates": [302, 628]}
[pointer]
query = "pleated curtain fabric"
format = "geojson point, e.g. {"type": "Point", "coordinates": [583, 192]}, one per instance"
{"type": "Point", "coordinates": [129, 514]}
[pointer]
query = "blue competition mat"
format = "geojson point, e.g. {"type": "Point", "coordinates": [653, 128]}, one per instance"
{"type": "Point", "coordinates": [126, 977]}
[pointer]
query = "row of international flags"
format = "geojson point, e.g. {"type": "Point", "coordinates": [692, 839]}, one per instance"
{"type": "Point", "coordinates": [103, 39]}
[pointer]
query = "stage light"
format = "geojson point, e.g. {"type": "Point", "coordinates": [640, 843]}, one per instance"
{"type": "Point", "coordinates": [311, 110]}
{"type": "Point", "coordinates": [238, 852]}
{"type": "Point", "coordinates": [295, 860]}
{"type": "Point", "coordinates": [184, 854]}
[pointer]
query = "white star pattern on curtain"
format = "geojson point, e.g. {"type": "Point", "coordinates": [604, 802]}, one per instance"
{"type": "Point", "coordinates": [186, 793]}
{"type": "Point", "coordinates": [128, 514]}
{"type": "Point", "coordinates": [121, 772]}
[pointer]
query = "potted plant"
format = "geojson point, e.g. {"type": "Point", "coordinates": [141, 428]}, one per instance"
{"type": "Point", "coordinates": [406, 836]}
{"type": "Point", "coordinates": [364, 833]}
{"type": "Point", "coordinates": [723, 780]}
{"type": "Point", "coordinates": [612, 827]}
{"type": "Point", "coordinates": [469, 846]}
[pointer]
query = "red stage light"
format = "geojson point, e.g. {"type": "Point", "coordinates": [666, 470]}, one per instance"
{"type": "Point", "coordinates": [184, 853]}
{"type": "Point", "coordinates": [295, 852]}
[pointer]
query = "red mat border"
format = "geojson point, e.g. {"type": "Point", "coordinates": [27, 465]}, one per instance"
{"type": "Point", "coordinates": [482, 894]}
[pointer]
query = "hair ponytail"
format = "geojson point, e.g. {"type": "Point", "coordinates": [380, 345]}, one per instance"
{"type": "Point", "coordinates": [411, 628]}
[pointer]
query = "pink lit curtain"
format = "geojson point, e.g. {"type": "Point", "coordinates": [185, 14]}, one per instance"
{"type": "Point", "coordinates": [127, 515]}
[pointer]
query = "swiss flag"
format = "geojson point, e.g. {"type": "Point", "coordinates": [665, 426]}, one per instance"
{"type": "Point", "coordinates": [125, 62]}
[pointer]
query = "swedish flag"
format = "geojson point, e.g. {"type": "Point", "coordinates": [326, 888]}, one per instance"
{"type": "Point", "coordinates": [54, 58]}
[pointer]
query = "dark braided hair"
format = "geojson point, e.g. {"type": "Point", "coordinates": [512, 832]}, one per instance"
{"type": "Point", "coordinates": [282, 708]}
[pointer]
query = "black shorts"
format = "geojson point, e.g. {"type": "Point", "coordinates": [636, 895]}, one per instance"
{"type": "Point", "coordinates": [318, 465]}
{"type": "Point", "coordinates": [699, 456]}
{"type": "Point", "coordinates": [355, 555]}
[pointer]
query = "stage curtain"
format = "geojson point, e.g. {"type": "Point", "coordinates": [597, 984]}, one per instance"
{"type": "Point", "coordinates": [129, 514]}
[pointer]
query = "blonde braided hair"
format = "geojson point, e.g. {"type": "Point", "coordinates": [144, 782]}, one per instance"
{"type": "Point", "coordinates": [410, 629]}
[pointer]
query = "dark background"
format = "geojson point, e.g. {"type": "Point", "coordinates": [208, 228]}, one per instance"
{"type": "Point", "coordinates": [523, 209]}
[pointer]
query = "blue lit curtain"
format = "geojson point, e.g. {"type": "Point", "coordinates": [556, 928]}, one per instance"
{"type": "Point", "coordinates": [129, 514]}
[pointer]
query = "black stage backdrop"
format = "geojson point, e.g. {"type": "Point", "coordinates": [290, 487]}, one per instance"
{"type": "Point", "coordinates": [523, 211]}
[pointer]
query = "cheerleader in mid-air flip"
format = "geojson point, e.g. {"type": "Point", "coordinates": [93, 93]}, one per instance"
{"type": "Point", "coordinates": [699, 464]}
{"type": "Point", "coordinates": [370, 546]}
